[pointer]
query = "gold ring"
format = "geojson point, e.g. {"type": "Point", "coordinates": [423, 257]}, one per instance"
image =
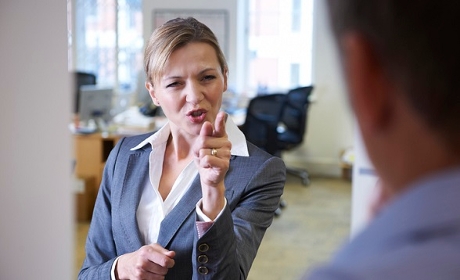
{"type": "Point", "coordinates": [213, 152]}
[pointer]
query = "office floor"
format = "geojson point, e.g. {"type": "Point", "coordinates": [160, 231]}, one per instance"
{"type": "Point", "coordinates": [315, 222]}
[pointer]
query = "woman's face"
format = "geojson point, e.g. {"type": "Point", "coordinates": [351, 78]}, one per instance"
{"type": "Point", "coordinates": [191, 87]}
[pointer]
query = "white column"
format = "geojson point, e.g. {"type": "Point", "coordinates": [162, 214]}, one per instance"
{"type": "Point", "coordinates": [36, 221]}
{"type": "Point", "coordinates": [363, 185]}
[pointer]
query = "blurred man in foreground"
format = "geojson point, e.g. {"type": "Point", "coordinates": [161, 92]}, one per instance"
{"type": "Point", "coordinates": [400, 59]}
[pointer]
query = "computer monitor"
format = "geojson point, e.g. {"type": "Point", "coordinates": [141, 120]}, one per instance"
{"type": "Point", "coordinates": [79, 79]}
{"type": "Point", "coordinates": [95, 102]}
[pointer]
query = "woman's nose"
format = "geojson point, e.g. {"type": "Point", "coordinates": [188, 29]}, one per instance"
{"type": "Point", "coordinates": [194, 93]}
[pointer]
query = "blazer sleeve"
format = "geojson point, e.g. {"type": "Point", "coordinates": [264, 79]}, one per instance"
{"type": "Point", "coordinates": [228, 248]}
{"type": "Point", "coordinates": [100, 246]}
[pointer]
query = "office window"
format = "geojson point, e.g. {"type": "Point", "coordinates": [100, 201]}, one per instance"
{"type": "Point", "coordinates": [296, 15]}
{"type": "Point", "coordinates": [106, 39]}
{"type": "Point", "coordinates": [279, 44]}
{"type": "Point", "coordinates": [295, 74]}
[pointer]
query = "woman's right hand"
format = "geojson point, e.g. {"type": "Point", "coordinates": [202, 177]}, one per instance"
{"type": "Point", "coordinates": [149, 262]}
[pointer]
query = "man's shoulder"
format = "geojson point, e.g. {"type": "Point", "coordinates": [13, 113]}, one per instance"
{"type": "Point", "coordinates": [387, 249]}
{"type": "Point", "coordinates": [437, 259]}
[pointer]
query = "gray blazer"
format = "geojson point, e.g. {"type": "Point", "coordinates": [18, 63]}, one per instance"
{"type": "Point", "coordinates": [226, 251]}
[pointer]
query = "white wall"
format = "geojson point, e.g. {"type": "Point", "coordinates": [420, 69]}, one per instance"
{"type": "Point", "coordinates": [36, 229]}
{"type": "Point", "coordinates": [330, 124]}
{"type": "Point", "coordinates": [364, 187]}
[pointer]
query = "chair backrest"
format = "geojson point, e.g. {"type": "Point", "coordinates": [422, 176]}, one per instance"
{"type": "Point", "coordinates": [262, 116]}
{"type": "Point", "coordinates": [294, 117]}
{"type": "Point", "coordinates": [266, 114]}
{"type": "Point", "coordinates": [80, 79]}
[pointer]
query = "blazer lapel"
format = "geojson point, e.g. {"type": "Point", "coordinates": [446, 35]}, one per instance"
{"type": "Point", "coordinates": [137, 168]}
{"type": "Point", "coordinates": [173, 221]}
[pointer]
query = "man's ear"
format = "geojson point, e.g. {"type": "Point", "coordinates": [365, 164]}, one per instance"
{"type": "Point", "coordinates": [151, 91]}
{"type": "Point", "coordinates": [369, 88]}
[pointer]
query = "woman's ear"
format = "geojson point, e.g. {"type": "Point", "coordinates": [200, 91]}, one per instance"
{"type": "Point", "coordinates": [225, 79]}
{"type": "Point", "coordinates": [151, 90]}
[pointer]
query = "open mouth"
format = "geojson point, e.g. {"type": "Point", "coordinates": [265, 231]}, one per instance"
{"type": "Point", "coordinates": [196, 113]}
{"type": "Point", "coordinates": [196, 116]}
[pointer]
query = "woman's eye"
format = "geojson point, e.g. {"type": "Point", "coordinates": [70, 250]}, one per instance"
{"type": "Point", "coordinates": [172, 84]}
{"type": "Point", "coordinates": [209, 77]}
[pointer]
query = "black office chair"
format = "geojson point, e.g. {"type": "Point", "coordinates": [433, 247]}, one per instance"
{"type": "Point", "coordinates": [293, 125]}
{"type": "Point", "coordinates": [80, 79]}
{"type": "Point", "coordinates": [262, 117]}
{"type": "Point", "coordinates": [277, 123]}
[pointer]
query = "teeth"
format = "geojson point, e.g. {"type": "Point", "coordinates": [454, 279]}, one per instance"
{"type": "Point", "coordinates": [196, 114]}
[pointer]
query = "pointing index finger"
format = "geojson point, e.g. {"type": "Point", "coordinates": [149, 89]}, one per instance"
{"type": "Point", "coordinates": [220, 124]}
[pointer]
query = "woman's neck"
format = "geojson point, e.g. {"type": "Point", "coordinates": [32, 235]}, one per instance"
{"type": "Point", "coordinates": [179, 147]}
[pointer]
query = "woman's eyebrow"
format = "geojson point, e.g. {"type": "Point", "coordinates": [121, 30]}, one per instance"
{"type": "Point", "coordinates": [199, 73]}
{"type": "Point", "coordinates": [171, 78]}
{"type": "Point", "coordinates": [207, 69]}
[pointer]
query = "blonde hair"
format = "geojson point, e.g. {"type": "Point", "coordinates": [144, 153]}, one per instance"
{"type": "Point", "coordinates": [173, 35]}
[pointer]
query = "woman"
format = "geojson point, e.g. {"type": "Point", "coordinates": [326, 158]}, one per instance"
{"type": "Point", "coordinates": [194, 199]}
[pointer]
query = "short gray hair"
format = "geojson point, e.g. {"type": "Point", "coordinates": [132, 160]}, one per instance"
{"type": "Point", "coordinates": [418, 44]}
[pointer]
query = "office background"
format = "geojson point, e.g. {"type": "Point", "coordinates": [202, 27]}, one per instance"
{"type": "Point", "coordinates": [330, 124]}
{"type": "Point", "coordinates": [35, 199]}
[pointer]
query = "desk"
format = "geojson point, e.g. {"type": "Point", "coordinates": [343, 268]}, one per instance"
{"type": "Point", "coordinates": [91, 152]}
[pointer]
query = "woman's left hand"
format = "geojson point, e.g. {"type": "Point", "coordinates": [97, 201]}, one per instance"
{"type": "Point", "coordinates": [213, 150]}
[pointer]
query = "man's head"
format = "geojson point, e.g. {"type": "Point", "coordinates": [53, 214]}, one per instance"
{"type": "Point", "coordinates": [416, 43]}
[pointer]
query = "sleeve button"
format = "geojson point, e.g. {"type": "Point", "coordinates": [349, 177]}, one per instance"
{"type": "Point", "coordinates": [203, 270]}
{"type": "Point", "coordinates": [203, 247]}
{"type": "Point", "coordinates": [202, 259]}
